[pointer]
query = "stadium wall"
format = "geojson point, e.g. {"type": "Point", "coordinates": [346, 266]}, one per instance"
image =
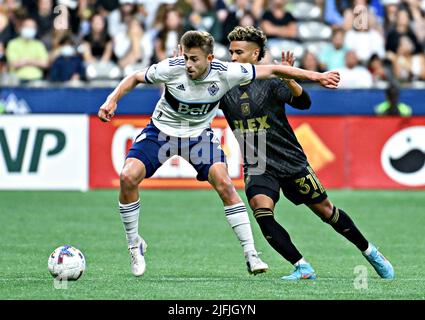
{"type": "Point", "coordinates": [77, 152]}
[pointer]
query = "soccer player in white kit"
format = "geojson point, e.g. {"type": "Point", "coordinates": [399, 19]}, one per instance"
{"type": "Point", "coordinates": [181, 125]}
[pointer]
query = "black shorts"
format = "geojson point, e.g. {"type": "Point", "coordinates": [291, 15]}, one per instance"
{"type": "Point", "coordinates": [303, 187]}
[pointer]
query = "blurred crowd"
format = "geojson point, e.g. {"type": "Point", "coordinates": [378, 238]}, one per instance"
{"type": "Point", "coordinates": [96, 40]}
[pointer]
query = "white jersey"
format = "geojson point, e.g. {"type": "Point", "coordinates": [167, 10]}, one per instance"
{"type": "Point", "coordinates": [187, 107]}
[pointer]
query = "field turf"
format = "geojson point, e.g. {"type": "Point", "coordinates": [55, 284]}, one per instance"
{"type": "Point", "coordinates": [193, 254]}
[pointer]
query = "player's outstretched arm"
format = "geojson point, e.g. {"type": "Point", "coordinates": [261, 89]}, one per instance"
{"type": "Point", "coordinates": [288, 59]}
{"type": "Point", "coordinates": [107, 110]}
{"type": "Point", "coordinates": [328, 79]}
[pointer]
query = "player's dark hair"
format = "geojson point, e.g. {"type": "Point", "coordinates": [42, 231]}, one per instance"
{"type": "Point", "coordinates": [250, 34]}
{"type": "Point", "coordinates": [198, 39]}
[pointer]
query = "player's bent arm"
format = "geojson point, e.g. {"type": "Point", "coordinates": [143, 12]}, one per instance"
{"type": "Point", "coordinates": [107, 110]}
{"type": "Point", "coordinates": [302, 101]}
{"type": "Point", "coordinates": [296, 89]}
{"type": "Point", "coordinates": [126, 85]}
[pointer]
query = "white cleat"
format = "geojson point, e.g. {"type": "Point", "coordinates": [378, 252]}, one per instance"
{"type": "Point", "coordinates": [138, 264]}
{"type": "Point", "coordinates": [254, 263]}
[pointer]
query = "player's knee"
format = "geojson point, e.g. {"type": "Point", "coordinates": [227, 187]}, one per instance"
{"type": "Point", "coordinates": [327, 208]}
{"type": "Point", "coordinates": [225, 188]}
{"type": "Point", "coordinates": [128, 180]}
{"type": "Point", "coordinates": [323, 209]}
{"type": "Point", "coordinates": [330, 217]}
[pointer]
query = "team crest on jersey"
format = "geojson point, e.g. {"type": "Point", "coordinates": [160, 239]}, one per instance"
{"type": "Point", "coordinates": [245, 109]}
{"type": "Point", "coordinates": [244, 70]}
{"type": "Point", "coordinates": [213, 89]}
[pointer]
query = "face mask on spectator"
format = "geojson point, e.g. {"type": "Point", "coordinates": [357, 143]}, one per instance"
{"type": "Point", "coordinates": [28, 33]}
{"type": "Point", "coordinates": [67, 50]}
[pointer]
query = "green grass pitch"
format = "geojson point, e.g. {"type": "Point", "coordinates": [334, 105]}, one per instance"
{"type": "Point", "coordinates": [193, 254]}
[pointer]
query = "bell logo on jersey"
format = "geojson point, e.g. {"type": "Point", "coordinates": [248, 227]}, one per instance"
{"type": "Point", "coordinates": [186, 109]}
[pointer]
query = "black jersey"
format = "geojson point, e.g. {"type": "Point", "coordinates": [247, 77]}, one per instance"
{"type": "Point", "coordinates": [256, 114]}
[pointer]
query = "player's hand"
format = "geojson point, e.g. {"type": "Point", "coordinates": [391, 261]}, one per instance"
{"type": "Point", "coordinates": [107, 111]}
{"type": "Point", "coordinates": [330, 79]}
{"type": "Point", "coordinates": [288, 58]}
{"type": "Point", "coordinates": [177, 52]}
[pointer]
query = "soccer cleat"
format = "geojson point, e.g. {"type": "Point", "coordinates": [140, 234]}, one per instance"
{"type": "Point", "coordinates": [254, 264]}
{"type": "Point", "coordinates": [138, 264]}
{"type": "Point", "coordinates": [302, 272]}
{"type": "Point", "coordinates": [381, 265]}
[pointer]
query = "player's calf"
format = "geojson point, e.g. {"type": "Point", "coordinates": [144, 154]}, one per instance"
{"type": "Point", "coordinates": [342, 223]}
{"type": "Point", "coordinates": [276, 235]}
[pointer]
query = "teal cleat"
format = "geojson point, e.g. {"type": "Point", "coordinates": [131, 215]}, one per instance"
{"type": "Point", "coordinates": [381, 265]}
{"type": "Point", "coordinates": [302, 271]}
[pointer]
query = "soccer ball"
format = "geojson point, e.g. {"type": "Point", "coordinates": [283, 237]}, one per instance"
{"type": "Point", "coordinates": [66, 263]}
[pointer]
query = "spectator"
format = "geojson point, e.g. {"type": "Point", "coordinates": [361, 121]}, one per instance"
{"type": "Point", "coordinates": [6, 29]}
{"type": "Point", "coordinates": [168, 38]}
{"type": "Point", "coordinates": [97, 45]}
{"type": "Point", "coordinates": [161, 12]}
{"type": "Point", "coordinates": [353, 75]}
{"type": "Point", "coordinates": [235, 14]}
{"type": "Point", "coordinates": [204, 18]}
{"type": "Point", "coordinates": [332, 55]}
{"type": "Point", "coordinates": [68, 66]}
{"type": "Point", "coordinates": [392, 105]}
{"type": "Point", "coordinates": [258, 8]}
{"type": "Point", "coordinates": [278, 23]}
{"type": "Point", "coordinates": [150, 9]}
{"type": "Point", "coordinates": [119, 18]}
{"type": "Point", "coordinates": [365, 43]}
{"type": "Point", "coordinates": [408, 66]}
{"type": "Point", "coordinates": [402, 28]}
{"type": "Point", "coordinates": [332, 13]}
{"type": "Point", "coordinates": [106, 6]}
{"type": "Point", "coordinates": [309, 62]}
{"type": "Point", "coordinates": [247, 19]}
{"type": "Point", "coordinates": [86, 9]}
{"type": "Point", "coordinates": [377, 69]}
{"type": "Point", "coordinates": [390, 14]}
{"type": "Point", "coordinates": [416, 14]}
{"type": "Point", "coordinates": [132, 47]}
{"type": "Point", "coordinates": [27, 57]}
{"type": "Point", "coordinates": [6, 34]}
{"type": "Point", "coordinates": [222, 11]}
{"type": "Point", "coordinates": [44, 18]}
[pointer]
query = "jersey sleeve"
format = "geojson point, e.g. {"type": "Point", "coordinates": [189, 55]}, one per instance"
{"type": "Point", "coordinates": [158, 73]}
{"type": "Point", "coordinates": [281, 91]}
{"type": "Point", "coordinates": [240, 73]}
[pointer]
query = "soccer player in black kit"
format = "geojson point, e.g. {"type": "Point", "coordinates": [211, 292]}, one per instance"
{"type": "Point", "coordinates": [256, 114]}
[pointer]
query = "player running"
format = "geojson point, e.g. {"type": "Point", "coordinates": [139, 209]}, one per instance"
{"type": "Point", "coordinates": [258, 109]}
{"type": "Point", "coordinates": [180, 125]}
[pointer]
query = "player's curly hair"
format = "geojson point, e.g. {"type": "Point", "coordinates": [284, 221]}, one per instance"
{"type": "Point", "coordinates": [198, 39]}
{"type": "Point", "coordinates": [250, 34]}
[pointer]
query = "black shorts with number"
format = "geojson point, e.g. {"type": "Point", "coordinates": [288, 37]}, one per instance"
{"type": "Point", "coordinates": [303, 187]}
